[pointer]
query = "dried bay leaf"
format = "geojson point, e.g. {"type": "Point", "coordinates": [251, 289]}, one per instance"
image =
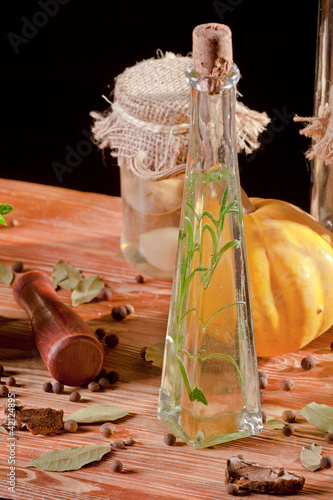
{"type": "Point", "coordinates": [69, 458]}
{"type": "Point", "coordinates": [319, 415]}
{"type": "Point", "coordinates": [155, 353]}
{"type": "Point", "coordinates": [6, 275]}
{"type": "Point", "coordinates": [274, 423]}
{"type": "Point", "coordinates": [3, 430]}
{"type": "Point", "coordinates": [310, 456]}
{"type": "Point", "coordinates": [86, 290]}
{"type": "Point", "coordinates": [65, 275]}
{"type": "Point", "coordinates": [99, 413]}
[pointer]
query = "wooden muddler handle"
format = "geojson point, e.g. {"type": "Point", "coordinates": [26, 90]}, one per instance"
{"type": "Point", "coordinates": [70, 350]}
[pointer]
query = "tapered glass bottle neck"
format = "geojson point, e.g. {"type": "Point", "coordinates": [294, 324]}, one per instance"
{"type": "Point", "coordinates": [212, 138]}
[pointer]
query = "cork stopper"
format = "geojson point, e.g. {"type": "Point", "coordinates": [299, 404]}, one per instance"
{"type": "Point", "coordinates": [212, 49]}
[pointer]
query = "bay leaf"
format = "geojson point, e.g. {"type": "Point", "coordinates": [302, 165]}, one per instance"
{"type": "Point", "coordinates": [70, 458]}
{"type": "Point", "coordinates": [86, 290]}
{"type": "Point", "coordinates": [3, 430]}
{"type": "Point", "coordinates": [274, 423]}
{"type": "Point", "coordinates": [310, 456]}
{"type": "Point", "coordinates": [99, 413]}
{"type": "Point", "coordinates": [155, 353]}
{"type": "Point", "coordinates": [65, 275]}
{"type": "Point", "coordinates": [5, 208]}
{"type": "Point", "coordinates": [319, 415]}
{"type": "Point", "coordinates": [6, 275]}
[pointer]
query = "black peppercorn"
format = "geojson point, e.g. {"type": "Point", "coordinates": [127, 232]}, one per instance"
{"type": "Point", "coordinates": [169, 439]}
{"type": "Point", "coordinates": [116, 466]}
{"type": "Point", "coordinates": [308, 362]}
{"type": "Point", "coordinates": [112, 340]}
{"type": "Point", "coordinates": [119, 313]}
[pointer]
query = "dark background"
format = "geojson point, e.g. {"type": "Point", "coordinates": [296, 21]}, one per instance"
{"type": "Point", "coordinates": [57, 73]}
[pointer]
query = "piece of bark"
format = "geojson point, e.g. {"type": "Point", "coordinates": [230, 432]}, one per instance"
{"type": "Point", "coordinates": [212, 49]}
{"type": "Point", "coordinates": [259, 478]}
{"type": "Point", "coordinates": [40, 420]}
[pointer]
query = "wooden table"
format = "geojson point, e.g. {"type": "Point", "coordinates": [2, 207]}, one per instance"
{"type": "Point", "coordinates": [84, 229]}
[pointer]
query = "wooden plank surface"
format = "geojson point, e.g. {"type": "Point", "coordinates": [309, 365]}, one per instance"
{"type": "Point", "coordinates": [84, 230]}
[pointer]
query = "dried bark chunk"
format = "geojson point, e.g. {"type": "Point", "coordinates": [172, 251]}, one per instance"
{"type": "Point", "coordinates": [41, 420]}
{"type": "Point", "coordinates": [259, 478]}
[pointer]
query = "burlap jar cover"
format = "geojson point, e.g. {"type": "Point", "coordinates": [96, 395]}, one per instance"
{"type": "Point", "coordinates": [148, 120]}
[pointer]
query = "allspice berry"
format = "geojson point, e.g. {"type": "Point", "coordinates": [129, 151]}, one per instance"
{"type": "Point", "coordinates": [139, 278]}
{"type": "Point", "coordinates": [112, 340]}
{"type": "Point", "coordinates": [119, 313]}
{"type": "Point", "coordinates": [119, 444]}
{"type": "Point", "coordinates": [261, 373]}
{"type": "Point", "coordinates": [3, 391]}
{"type": "Point", "coordinates": [58, 388]}
{"type": "Point", "coordinates": [11, 381]}
{"type": "Point", "coordinates": [129, 308]}
{"type": "Point", "coordinates": [288, 430]}
{"type": "Point", "coordinates": [75, 397]}
{"type": "Point", "coordinates": [107, 429]}
{"type": "Point", "coordinates": [47, 387]}
{"type": "Point", "coordinates": [116, 466]}
{"type": "Point", "coordinates": [169, 439]}
{"type": "Point", "coordinates": [71, 426]}
{"type": "Point", "coordinates": [103, 382]}
{"type": "Point", "coordinates": [129, 441]}
{"type": "Point", "coordinates": [93, 386]}
{"type": "Point", "coordinates": [233, 489]}
{"type": "Point", "coordinates": [263, 383]}
{"type": "Point", "coordinates": [17, 267]}
{"type": "Point", "coordinates": [105, 293]}
{"type": "Point", "coordinates": [286, 384]}
{"type": "Point", "coordinates": [308, 362]}
{"type": "Point", "coordinates": [329, 437]}
{"type": "Point", "coordinates": [100, 333]}
{"type": "Point", "coordinates": [326, 462]}
{"type": "Point", "coordinates": [289, 416]}
{"type": "Point", "coordinates": [112, 377]}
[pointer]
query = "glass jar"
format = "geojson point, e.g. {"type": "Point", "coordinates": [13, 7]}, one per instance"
{"type": "Point", "coordinates": [151, 213]}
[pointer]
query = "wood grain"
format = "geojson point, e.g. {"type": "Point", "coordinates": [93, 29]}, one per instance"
{"type": "Point", "coordinates": [84, 230]}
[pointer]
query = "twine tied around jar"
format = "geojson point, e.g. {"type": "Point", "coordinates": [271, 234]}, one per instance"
{"type": "Point", "coordinates": [148, 120]}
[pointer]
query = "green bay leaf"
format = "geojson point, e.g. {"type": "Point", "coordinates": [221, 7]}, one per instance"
{"type": "Point", "coordinates": [319, 415]}
{"type": "Point", "coordinates": [69, 458]}
{"type": "Point", "coordinates": [274, 423]}
{"type": "Point", "coordinates": [65, 275]}
{"type": "Point", "coordinates": [86, 290]}
{"type": "Point", "coordinates": [99, 413]}
{"type": "Point", "coordinates": [6, 275]}
{"type": "Point", "coordinates": [155, 354]}
{"type": "Point", "coordinates": [310, 456]}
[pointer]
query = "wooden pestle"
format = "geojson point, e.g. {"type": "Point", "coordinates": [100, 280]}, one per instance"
{"type": "Point", "coordinates": [70, 350]}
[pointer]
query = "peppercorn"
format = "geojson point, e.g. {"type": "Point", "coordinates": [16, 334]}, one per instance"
{"type": "Point", "coordinates": [107, 429]}
{"type": "Point", "coordinates": [263, 416]}
{"type": "Point", "coordinates": [11, 381]}
{"type": "Point", "coordinates": [129, 308]}
{"type": "Point", "coordinates": [329, 437]}
{"type": "Point", "coordinates": [169, 439]}
{"type": "Point", "coordinates": [93, 386]}
{"type": "Point", "coordinates": [129, 441]}
{"type": "Point", "coordinates": [326, 462]}
{"type": "Point", "coordinates": [75, 396]}
{"type": "Point", "coordinates": [112, 377]}
{"type": "Point", "coordinates": [58, 388]}
{"type": "Point", "coordinates": [119, 313]}
{"type": "Point", "coordinates": [288, 416]}
{"type": "Point", "coordinates": [100, 333]}
{"type": "Point", "coordinates": [1, 370]}
{"type": "Point", "coordinates": [288, 430]}
{"type": "Point", "coordinates": [47, 387]}
{"type": "Point", "coordinates": [118, 444]}
{"type": "Point", "coordinates": [3, 391]}
{"type": "Point", "coordinates": [286, 384]}
{"type": "Point", "coordinates": [17, 267]}
{"type": "Point", "coordinates": [116, 466]}
{"type": "Point", "coordinates": [263, 382]}
{"type": "Point", "coordinates": [308, 362]}
{"type": "Point", "coordinates": [103, 382]}
{"type": "Point", "coordinates": [105, 293]}
{"type": "Point", "coordinates": [70, 426]}
{"type": "Point", "coordinates": [139, 278]}
{"type": "Point", "coordinates": [233, 489]}
{"type": "Point", "coordinates": [112, 340]}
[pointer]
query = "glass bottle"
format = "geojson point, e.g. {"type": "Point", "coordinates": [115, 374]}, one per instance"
{"type": "Point", "coordinates": [321, 205]}
{"type": "Point", "coordinates": [209, 389]}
